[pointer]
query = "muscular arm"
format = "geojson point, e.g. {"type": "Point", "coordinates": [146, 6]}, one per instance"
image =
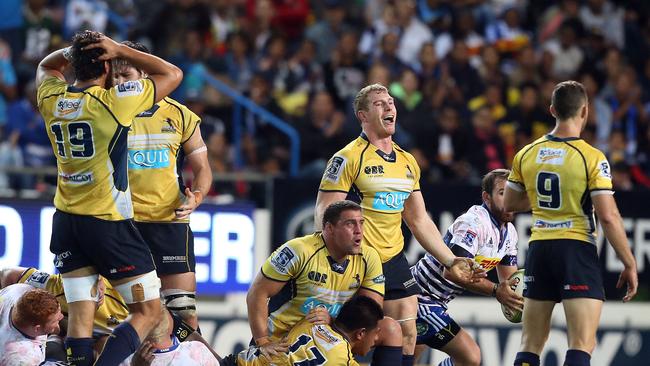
{"type": "Point", "coordinates": [10, 275]}
{"type": "Point", "coordinates": [514, 200]}
{"type": "Point", "coordinates": [257, 300]}
{"type": "Point", "coordinates": [371, 294]}
{"type": "Point", "coordinates": [199, 163]}
{"type": "Point", "coordinates": [424, 230]}
{"type": "Point", "coordinates": [323, 200]}
{"type": "Point", "coordinates": [53, 65]}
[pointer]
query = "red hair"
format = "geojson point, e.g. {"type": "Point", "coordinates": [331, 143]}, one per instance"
{"type": "Point", "coordinates": [36, 307]}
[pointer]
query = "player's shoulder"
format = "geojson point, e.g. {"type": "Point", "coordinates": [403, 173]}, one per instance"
{"type": "Point", "coordinates": [589, 152]}
{"type": "Point", "coordinates": [305, 246]}
{"type": "Point", "coordinates": [474, 216]}
{"type": "Point", "coordinates": [403, 152]}
{"type": "Point", "coordinates": [353, 149]}
{"type": "Point", "coordinates": [369, 253]}
{"type": "Point", "coordinates": [50, 87]}
{"type": "Point", "coordinates": [174, 106]}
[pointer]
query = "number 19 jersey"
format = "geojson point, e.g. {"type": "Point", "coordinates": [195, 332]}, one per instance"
{"type": "Point", "coordinates": [559, 177]}
{"type": "Point", "coordinates": [88, 131]}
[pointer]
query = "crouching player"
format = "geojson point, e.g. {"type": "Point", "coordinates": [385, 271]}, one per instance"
{"type": "Point", "coordinates": [486, 234]}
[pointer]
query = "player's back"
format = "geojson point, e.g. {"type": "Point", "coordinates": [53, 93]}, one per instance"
{"type": "Point", "coordinates": [309, 344]}
{"type": "Point", "coordinates": [88, 131]}
{"type": "Point", "coordinates": [156, 155]}
{"type": "Point", "coordinates": [15, 347]}
{"type": "Point", "coordinates": [559, 177]}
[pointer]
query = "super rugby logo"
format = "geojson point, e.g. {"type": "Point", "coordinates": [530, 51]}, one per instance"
{"type": "Point", "coordinates": [282, 259]}
{"type": "Point", "coordinates": [551, 156]}
{"type": "Point", "coordinates": [68, 108]}
{"type": "Point", "coordinates": [335, 169]}
{"type": "Point", "coordinates": [605, 172]}
{"type": "Point", "coordinates": [129, 88]}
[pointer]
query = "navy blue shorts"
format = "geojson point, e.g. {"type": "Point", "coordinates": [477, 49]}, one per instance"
{"type": "Point", "coordinates": [115, 248]}
{"type": "Point", "coordinates": [434, 325]}
{"type": "Point", "coordinates": [562, 269]}
{"type": "Point", "coordinates": [171, 245]}
{"type": "Point", "coordinates": [399, 280]}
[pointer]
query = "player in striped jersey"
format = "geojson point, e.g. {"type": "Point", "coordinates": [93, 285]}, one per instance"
{"type": "Point", "coordinates": [486, 234]}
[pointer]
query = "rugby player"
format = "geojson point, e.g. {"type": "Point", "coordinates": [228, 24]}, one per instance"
{"type": "Point", "coordinates": [159, 140]}
{"type": "Point", "coordinates": [386, 180]}
{"type": "Point", "coordinates": [27, 316]}
{"type": "Point", "coordinates": [93, 232]}
{"type": "Point", "coordinates": [484, 233]}
{"type": "Point", "coordinates": [563, 179]}
{"type": "Point", "coordinates": [312, 276]}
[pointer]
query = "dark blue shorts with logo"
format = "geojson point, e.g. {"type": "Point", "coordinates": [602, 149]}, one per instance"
{"type": "Point", "coordinates": [399, 280]}
{"type": "Point", "coordinates": [562, 269]}
{"type": "Point", "coordinates": [171, 245]}
{"type": "Point", "coordinates": [115, 248]}
{"type": "Point", "coordinates": [434, 325]}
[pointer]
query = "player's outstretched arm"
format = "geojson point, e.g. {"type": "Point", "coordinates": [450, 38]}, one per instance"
{"type": "Point", "coordinates": [165, 75]}
{"type": "Point", "coordinates": [324, 199]}
{"type": "Point", "coordinates": [53, 65]}
{"type": "Point", "coordinates": [612, 223]}
{"type": "Point", "coordinates": [10, 275]}
{"type": "Point", "coordinates": [257, 300]}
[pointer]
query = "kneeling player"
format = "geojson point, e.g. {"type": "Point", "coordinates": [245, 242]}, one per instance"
{"type": "Point", "coordinates": [486, 234]}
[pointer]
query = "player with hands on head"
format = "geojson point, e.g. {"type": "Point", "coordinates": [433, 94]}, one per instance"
{"type": "Point", "coordinates": [563, 179]}
{"type": "Point", "coordinates": [92, 230]}
{"type": "Point", "coordinates": [386, 180]}
{"type": "Point", "coordinates": [160, 139]}
{"type": "Point", "coordinates": [486, 235]}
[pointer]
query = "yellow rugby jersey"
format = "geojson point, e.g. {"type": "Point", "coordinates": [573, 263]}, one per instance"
{"type": "Point", "coordinates": [310, 344]}
{"type": "Point", "coordinates": [382, 182]}
{"type": "Point", "coordinates": [155, 159]}
{"type": "Point", "coordinates": [559, 177]}
{"type": "Point", "coordinates": [88, 132]}
{"type": "Point", "coordinates": [314, 279]}
{"type": "Point", "coordinates": [109, 315]}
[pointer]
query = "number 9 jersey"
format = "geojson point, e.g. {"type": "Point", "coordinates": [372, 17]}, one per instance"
{"type": "Point", "coordinates": [88, 128]}
{"type": "Point", "coordinates": [559, 177]}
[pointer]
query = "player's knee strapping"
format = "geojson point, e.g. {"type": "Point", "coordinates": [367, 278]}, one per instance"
{"type": "Point", "coordinates": [141, 289]}
{"type": "Point", "coordinates": [81, 288]}
{"type": "Point", "coordinates": [180, 302]}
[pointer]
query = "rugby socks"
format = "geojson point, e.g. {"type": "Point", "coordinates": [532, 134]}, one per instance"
{"type": "Point", "coordinates": [446, 362]}
{"type": "Point", "coordinates": [408, 360]}
{"type": "Point", "coordinates": [526, 359]}
{"type": "Point", "coordinates": [387, 356]}
{"type": "Point", "coordinates": [79, 351]}
{"type": "Point", "coordinates": [576, 357]}
{"type": "Point", "coordinates": [121, 343]}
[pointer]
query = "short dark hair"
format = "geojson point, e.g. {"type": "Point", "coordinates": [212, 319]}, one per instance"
{"type": "Point", "coordinates": [567, 99]}
{"type": "Point", "coordinates": [489, 180]}
{"type": "Point", "coordinates": [120, 62]}
{"type": "Point", "coordinates": [359, 312]}
{"type": "Point", "coordinates": [84, 62]}
{"type": "Point", "coordinates": [333, 211]}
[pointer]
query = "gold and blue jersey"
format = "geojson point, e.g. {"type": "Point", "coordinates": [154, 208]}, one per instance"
{"type": "Point", "coordinates": [310, 344]}
{"type": "Point", "coordinates": [88, 131]}
{"type": "Point", "coordinates": [155, 159]}
{"type": "Point", "coordinates": [559, 177]}
{"type": "Point", "coordinates": [314, 280]}
{"type": "Point", "coordinates": [383, 182]}
{"type": "Point", "coordinates": [107, 316]}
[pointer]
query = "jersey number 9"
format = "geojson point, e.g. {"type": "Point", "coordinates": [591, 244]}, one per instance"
{"type": "Point", "coordinates": [79, 138]}
{"type": "Point", "coordinates": [549, 195]}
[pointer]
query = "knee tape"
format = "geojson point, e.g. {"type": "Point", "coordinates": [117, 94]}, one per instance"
{"type": "Point", "coordinates": [180, 301]}
{"type": "Point", "coordinates": [141, 289]}
{"type": "Point", "coordinates": [81, 288]}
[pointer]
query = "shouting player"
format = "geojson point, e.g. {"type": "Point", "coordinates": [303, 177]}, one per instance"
{"type": "Point", "coordinates": [93, 230]}
{"type": "Point", "coordinates": [485, 234]}
{"type": "Point", "coordinates": [563, 178]}
{"type": "Point", "coordinates": [159, 139]}
{"type": "Point", "coordinates": [386, 180]}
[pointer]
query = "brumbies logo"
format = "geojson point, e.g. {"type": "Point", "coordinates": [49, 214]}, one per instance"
{"type": "Point", "coordinates": [68, 108]}
{"type": "Point", "coordinates": [168, 128]}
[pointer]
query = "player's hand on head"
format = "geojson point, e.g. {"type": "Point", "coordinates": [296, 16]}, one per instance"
{"type": "Point", "coordinates": [630, 277]}
{"type": "Point", "coordinates": [110, 47]}
{"type": "Point", "coordinates": [319, 316]}
{"type": "Point", "coordinates": [191, 202]}
{"type": "Point", "coordinates": [508, 297]}
{"type": "Point", "coordinates": [143, 356]}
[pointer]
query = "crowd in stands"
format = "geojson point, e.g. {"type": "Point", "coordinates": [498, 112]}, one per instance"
{"type": "Point", "coordinates": [472, 79]}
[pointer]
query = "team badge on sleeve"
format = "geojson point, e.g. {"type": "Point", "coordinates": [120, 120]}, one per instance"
{"type": "Point", "coordinates": [604, 170]}
{"type": "Point", "coordinates": [38, 279]}
{"type": "Point", "coordinates": [469, 237]}
{"type": "Point", "coordinates": [283, 259]}
{"type": "Point", "coordinates": [130, 88]}
{"type": "Point", "coordinates": [335, 169]}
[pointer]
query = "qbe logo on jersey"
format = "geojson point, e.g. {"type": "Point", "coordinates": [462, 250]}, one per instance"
{"type": "Point", "coordinates": [68, 108]}
{"type": "Point", "coordinates": [389, 201]}
{"type": "Point", "coordinates": [130, 88]}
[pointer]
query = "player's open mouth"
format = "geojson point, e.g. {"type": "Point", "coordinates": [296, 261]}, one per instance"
{"type": "Point", "coordinates": [357, 241]}
{"type": "Point", "coordinates": [390, 118]}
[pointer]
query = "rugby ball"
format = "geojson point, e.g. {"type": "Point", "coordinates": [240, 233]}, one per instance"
{"type": "Point", "coordinates": [514, 316]}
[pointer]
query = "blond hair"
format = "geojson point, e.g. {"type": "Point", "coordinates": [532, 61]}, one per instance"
{"type": "Point", "coordinates": [361, 100]}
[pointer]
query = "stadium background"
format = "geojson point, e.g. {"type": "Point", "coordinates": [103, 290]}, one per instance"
{"type": "Point", "coordinates": [273, 82]}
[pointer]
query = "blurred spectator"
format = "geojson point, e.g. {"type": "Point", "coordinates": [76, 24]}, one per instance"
{"type": "Point", "coordinates": [506, 33]}
{"type": "Point", "coordinates": [427, 67]}
{"type": "Point", "coordinates": [464, 29]}
{"type": "Point", "coordinates": [191, 59]}
{"type": "Point", "coordinates": [273, 63]}
{"type": "Point", "coordinates": [406, 92]}
{"type": "Point", "coordinates": [42, 32]}
{"type": "Point", "coordinates": [302, 77]}
{"type": "Point", "coordinates": [553, 18]}
{"type": "Point", "coordinates": [528, 118]}
{"type": "Point", "coordinates": [222, 22]}
{"type": "Point", "coordinates": [7, 80]}
{"type": "Point", "coordinates": [371, 38]}
{"type": "Point", "coordinates": [621, 177]}
{"type": "Point", "coordinates": [238, 62]}
{"type": "Point", "coordinates": [562, 56]}
{"type": "Point", "coordinates": [379, 74]}
{"type": "Point", "coordinates": [327, 32]}
{"type": "Point", "coordinates": [600, 113]}
{"type": "Point", "coordinates": [288, 16]}
{"type": "Point", "coordinates": [388, 54]}
{"type": "Point", "coordinates": [526, 70]}
{"type": "Point", "coordinates": [11, 24]}
{"type": "Point", "coordinates": [85, 14]}
{"type": "Point", "coordinates": [345, 73]}
{"type": "Point", "coordinates": [487, 151]}
{"type": "Point", "coordinates": [463, 74]}
{"type": "Point", "coordinates": [490, 67]}
{"type": "Point", "coordinates": [605, 18]}
{"type": "Point", "coordinates": [414, 33]}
